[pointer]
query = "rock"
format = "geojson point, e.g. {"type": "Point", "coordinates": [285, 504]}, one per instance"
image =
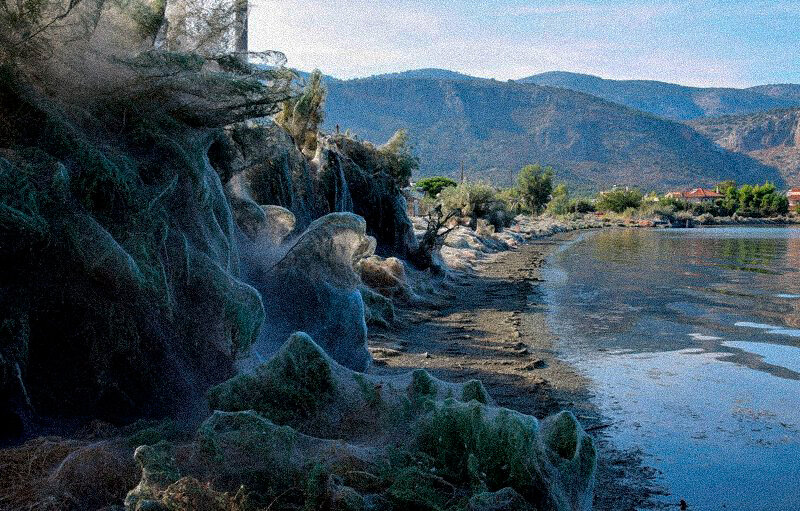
{"type": "Point", "coordinates": [536, 364]}
{"type": "Point", "coordinates": [385, 352]}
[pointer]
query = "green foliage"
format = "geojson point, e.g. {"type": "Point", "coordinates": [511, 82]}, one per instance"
{"type": "Point", "coordinates": [619, 199]}
{"type": "Point", "coordinates": [535, 185]}
{"type": "Point", "coordinates": [750, 200]}
{"type": "Point", "coordinates": [674, 203]}
{"type": "Point", "coordinates": [581, 205]}
{"type": "Point", "coordinates": [560, 203]}
{"type": "Point", "coordinates": [148, 16]}
{"type": "Point", "coordinates": [476, 200]}
{"type": "Point", "coordinates": [474, 389]}
{"type": "Point", "coordinates": [422, 385]}
{"type": "Point", "coordinates": [291, 386]}
{"type": "Point", "coordinates": [414, 489]}
{"type": "Point", "coordinates": [512, 199]}
{"type": "Point", "coordinates": [303, 114]}
{"type": "Point", "coordinates": [433, 185]}
{"type": "Point", "coordinates": [145, 432]}
{"type": "Point", "coordinates": [371, 394]}
{"type": "Point", "coordinates": [466, 445]}
{"type": "Point", "coordinates": [469, 199]}
{"type": "Point", "coordinates": [400, 158]}
{"type": "Point", "coordinates": [723, 186]}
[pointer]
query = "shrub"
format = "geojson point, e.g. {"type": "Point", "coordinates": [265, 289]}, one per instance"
{"type": "Point", "coordinates": [618, 200]}
{"type": "Point", "coordinates": [432, 186]}
{"type": "Point", "coordinates": [673, 203]}
{"type": "Point", "coordinates": [474, 200]}
{"type": "Point", "coordinates": [559, 204]}
{"type": "Point", "coordinates": [581, 205]}
{"type": "Point", "coordinates": [511, 199]}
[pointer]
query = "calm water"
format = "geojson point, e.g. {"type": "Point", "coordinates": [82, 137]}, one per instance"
{"type": "Point", "coordinates": [692, 340]}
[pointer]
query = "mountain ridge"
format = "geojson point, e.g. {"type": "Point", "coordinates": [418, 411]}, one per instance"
{"type": "Point", "coordinates": [673, 101]}
{"type": "Point", "coordinates": [495, 128]}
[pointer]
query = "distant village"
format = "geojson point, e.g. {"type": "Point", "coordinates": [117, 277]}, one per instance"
{"type": "Point", "coordinates": [700, 195]}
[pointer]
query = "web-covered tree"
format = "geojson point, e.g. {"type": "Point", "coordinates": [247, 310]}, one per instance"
{"type": "Point", "coordinates": [400, 157]}
{"type": "Point", "coordinates": [303, 114]}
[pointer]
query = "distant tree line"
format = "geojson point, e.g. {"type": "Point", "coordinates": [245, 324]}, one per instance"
{"type": "Point", "coordinates": [758, 201]}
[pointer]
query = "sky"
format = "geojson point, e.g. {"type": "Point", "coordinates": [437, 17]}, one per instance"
{"type": "Point", "coordinates": [725, 43]}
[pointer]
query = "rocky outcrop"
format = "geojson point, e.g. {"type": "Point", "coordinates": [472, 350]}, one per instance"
{"type": "Point", "coordinates": [346, 440]}
{"type": "Point", "coordinates": [770, 137]}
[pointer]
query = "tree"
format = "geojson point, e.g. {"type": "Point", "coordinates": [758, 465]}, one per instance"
{"type": "Point", "coordinates": [560, 203]}
{"type": "Point", "coordinates": [619, 199]}
{"type": "Point", "coordinates": [433, 238]}
{"type": "Point", "coordinates": [432, 186]}
{"type": "Point", "coordinates": [303, 114]}
{"type": "Point", "coordinates": [535, 185]}
{"type": "Point", "coordinates": [724, 186]}
{"type": "Point", "coordinates": [400, 157]}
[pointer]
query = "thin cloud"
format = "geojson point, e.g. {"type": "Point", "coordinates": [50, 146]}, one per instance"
{"type": "Point", "coordinates": [694, 42]}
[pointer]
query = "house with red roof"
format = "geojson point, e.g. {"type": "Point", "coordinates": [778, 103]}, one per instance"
{"type": "Point", "coordinates": [697, 195]}
{"type": "Point", "coordinates": [794, 197]}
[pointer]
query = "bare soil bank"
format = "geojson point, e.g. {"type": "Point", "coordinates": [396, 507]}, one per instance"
{"type": "Point", "coordinates": [493, 328]}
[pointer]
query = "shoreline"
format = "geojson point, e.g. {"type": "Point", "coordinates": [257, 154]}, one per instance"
{"type": "Point", "coordinates": [492, 326]}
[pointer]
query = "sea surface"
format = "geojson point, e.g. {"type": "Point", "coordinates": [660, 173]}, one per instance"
{"type": "Point", "coordinates": [691, 338]}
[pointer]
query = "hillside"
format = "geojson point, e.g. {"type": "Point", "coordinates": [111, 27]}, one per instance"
{"type": "Point", "coordinates": [788, 91]}
{"type": "Point", "coordinates": [674, 101]}
{"type": "Point", "coordinates": [497, 127]}
{"type": "Point", "coordinates": [770, 137]}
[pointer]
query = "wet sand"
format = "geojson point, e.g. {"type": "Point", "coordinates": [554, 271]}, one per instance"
{"type": "Point", "coordinates": [493, 328]}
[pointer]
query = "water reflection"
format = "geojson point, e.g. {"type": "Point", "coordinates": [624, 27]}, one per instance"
{"type": "Point", "coordinates": [693, 340]}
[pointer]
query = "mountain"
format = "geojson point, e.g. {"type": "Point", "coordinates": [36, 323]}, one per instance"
{"type": "Point", "coordinates": [770, 137]}
{"type": "Point", "coordinates": [495, 128]}
{"type": "Point", "coordinates": [788, 91]}
{"type": "Point", "coordinates": [674, 101]}
{"type": "Point", "coordinates": [431, 73]}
